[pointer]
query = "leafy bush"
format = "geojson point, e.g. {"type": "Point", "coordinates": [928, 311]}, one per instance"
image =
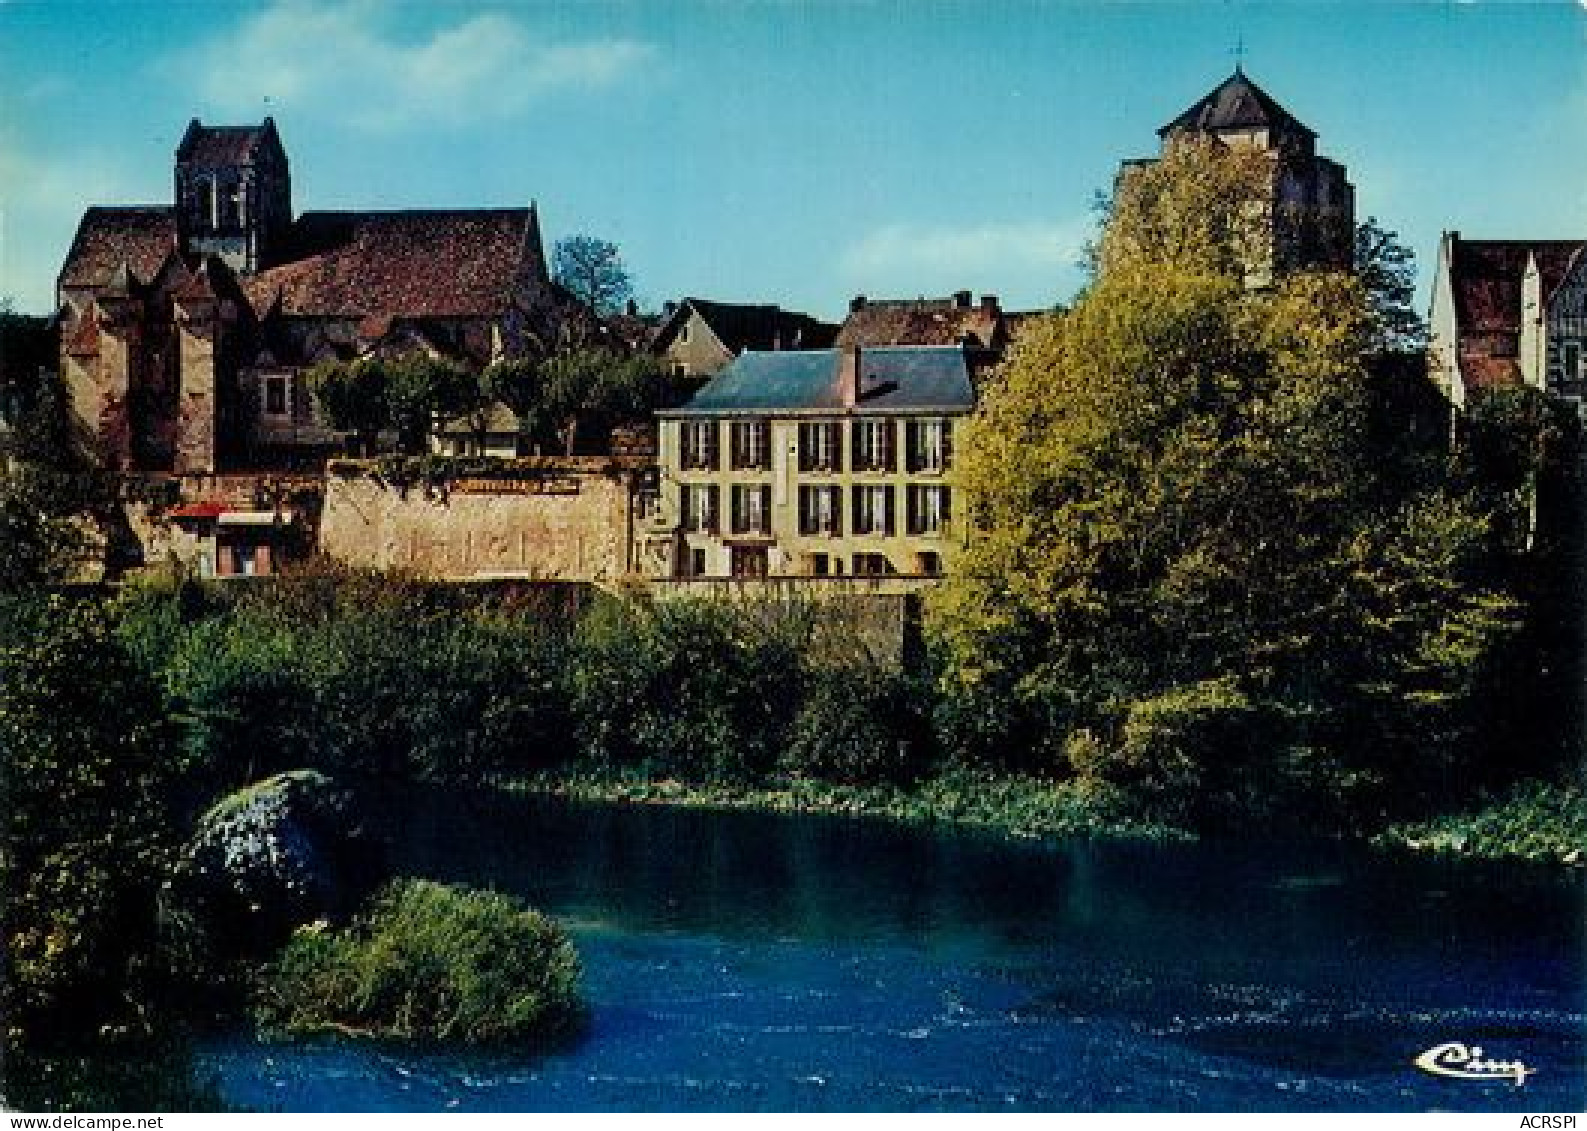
{"type": "Point", "coordinates": [429, 962]}
{"type": "Point", "coordinates": [857, 723]}
{"type": "Point", "coordinates": [88, 779]}
{"type": "Point", "coordinates": [696, 689]}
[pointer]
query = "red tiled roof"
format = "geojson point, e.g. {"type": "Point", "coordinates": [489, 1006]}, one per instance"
{"type": "Point", "coordinates": [83, 340]}
{"type": "Point", "coordinates": [1490, 372]}
{"type": "Point", "coordinates": [1487, 277]}
{"type": "Point", "coordinates": [437, 264]}
{"type": "Point", "coordinates": [921, 322]}
{"type": "Point", "coordinates": [140, 237]}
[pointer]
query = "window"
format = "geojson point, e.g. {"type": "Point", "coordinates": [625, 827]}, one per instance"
{"type": "Point", "coordinates": [873, 510]}
{"type": "Point", "coordinates": [699, 509]}
{"type": "Point", "coordinates": [277, 394]}
{"type": "Point", "coordinates": [872, 565]}
{"type": "Point", "coordinates": [751, 509]}
{"type": "Point", "coordinates": [818, 447]}
{"type": "Point", "coordinates": [1570, 361]}
{"type": "Point", "coordinates": [694, 564]}
{"type": "Point", "coordinates": [699, 445]}
{"type": "Point", "coordinates": [929, 563]}
{"type": "Point", "coordinates": [873, 445]}
{"type": "Point", "coordinates": [749, 561]}
{"type": "Point", "coordinates": [820, 565]}
{"type": "Point", "coordinates": [820, 510]}
{"type": "Point", "coordinates": [751, 445]}
{"type": "Point", "coordinates": [930, 445]}
{"type": "Point", "coordinates": [928, 510]}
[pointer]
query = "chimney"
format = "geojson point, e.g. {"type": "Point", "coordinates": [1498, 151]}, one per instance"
{"type": "Point", "coordinates": [633, 308]}
{"type": "Point", "coordinates": [989, 304]}
{"type": "Point", "coordinates": [849, 377]}
{"type": "Point", "coordinates": [857, 304]}
{"type": "Point", "coordinates": [961, 300]}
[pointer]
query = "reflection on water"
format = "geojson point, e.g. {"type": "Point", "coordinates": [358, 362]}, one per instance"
{"type": "Point", "coordinates": [744, 961]}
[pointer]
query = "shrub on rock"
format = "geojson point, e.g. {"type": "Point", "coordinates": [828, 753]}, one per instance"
{"type": "Point", "coordinates": [429, 962]}
{"type": "Point", "coordinates": [280, 853]}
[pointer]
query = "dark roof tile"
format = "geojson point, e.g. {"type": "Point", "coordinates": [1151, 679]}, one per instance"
{"type": "Point", "coordinates": [741, 327]}
{"type": "Point", "coordinates": [107, 238]}
{"type": "Point", "coordinates": [922, 322]}
{"type": "Point", "coordinates": [438, 264]}
{"type": "Point", "coordinates": [1236, 104]}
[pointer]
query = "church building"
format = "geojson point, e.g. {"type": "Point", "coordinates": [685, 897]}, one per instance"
{"type": "Point", "coordinates": [1311, 207]}
{"type": "Point", "coordinates": [187, 327]}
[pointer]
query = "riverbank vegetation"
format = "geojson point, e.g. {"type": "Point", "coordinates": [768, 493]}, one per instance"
{"type": "Point", "coordinates": [1536, 820]}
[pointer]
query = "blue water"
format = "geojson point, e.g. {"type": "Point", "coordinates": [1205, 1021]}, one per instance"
{"type": "Point", "coordinates": [750, 962]}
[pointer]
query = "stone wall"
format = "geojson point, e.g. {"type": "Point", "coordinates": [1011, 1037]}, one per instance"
{"type": "Point", "coordinates": [571, 524]}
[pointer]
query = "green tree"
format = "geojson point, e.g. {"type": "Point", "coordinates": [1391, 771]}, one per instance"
{"type": "Point", "coordinates": [1387, 270]}
{"type": "Point", "coordinates": [87, 780]}
{"type": "Point", "coordinates": [585, 390]}
{"type": "Point", "coordinates": [1186, 578]}
{"type": "Point", "coordinates": [421, 390]}
{"type": "Point", "coordinates": [53, 498]}
{"type": "Point", "coordinates": [592, 270]}
{"type": "Point", "coordinates": [352, 398]}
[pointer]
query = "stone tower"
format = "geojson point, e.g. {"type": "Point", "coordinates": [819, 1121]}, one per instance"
{"type": "Point", "coordinates": [233, 194]}
{"type": "Point", "coordinates": [1313, 203]}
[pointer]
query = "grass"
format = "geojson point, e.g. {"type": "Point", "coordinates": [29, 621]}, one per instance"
{"type": "Point", "coordinates": [1014, 806]}
{"type": "Point", "coordinates": [1533, 821]}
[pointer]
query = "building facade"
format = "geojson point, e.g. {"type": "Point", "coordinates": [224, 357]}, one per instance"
{"type": "Point", "coordinates": [699, 338]}
{"type": "Point", "coordinates": [821, 463]}
{"type": "Point", "coordinates": [1509, 312]}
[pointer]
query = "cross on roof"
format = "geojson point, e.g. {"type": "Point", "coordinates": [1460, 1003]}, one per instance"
{"type": "Point", "coordinates": [1239, 53]}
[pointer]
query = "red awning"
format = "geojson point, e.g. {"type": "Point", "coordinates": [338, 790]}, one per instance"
{"type": "Point", "coordinates": [197, 510]}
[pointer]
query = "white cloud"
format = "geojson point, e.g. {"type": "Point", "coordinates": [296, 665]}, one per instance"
{"type": "Point", "coordinates": [1036, 257]}
{"type": "Point", "coordinates": [345, 60]}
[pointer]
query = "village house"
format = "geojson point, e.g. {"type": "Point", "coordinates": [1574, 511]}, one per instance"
{"type": "Point", "coordinates": [1507, 313]}
{"type": "Point", "coordinates": [822, 463]}
{"type": "Point", "coordinates": [699, 338]}
{"type": "Point", "coordinates": [1310, 209]}
{"type": "Point", "coordinates": [187, 328]}
{"type": "Point", "coordinates": [980, 327]}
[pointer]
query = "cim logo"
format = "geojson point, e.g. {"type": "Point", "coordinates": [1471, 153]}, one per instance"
{"type": "Point", "coordinates": [1466, 1062]}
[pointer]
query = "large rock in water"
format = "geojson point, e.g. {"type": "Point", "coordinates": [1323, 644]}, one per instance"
{"type": "Point", "coordinates": [273, 856]}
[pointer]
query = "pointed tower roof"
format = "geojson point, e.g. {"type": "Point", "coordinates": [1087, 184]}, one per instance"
{"type": "Point", "coordinates": [1236, 104]}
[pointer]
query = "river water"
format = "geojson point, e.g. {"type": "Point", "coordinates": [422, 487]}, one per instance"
{"type": "Point", "coordinates": [741, 962]}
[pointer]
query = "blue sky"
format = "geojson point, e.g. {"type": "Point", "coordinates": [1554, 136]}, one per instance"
{"type": "Point", "coordinates": [789, 151]}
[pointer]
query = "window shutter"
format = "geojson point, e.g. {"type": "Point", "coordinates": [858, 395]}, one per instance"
{"type": "Point", "coordinates": [947, 444]}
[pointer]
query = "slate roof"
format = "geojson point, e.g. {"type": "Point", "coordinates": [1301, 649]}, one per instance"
{"type": "Point", "coordinates": [437, 264]}
{"type": "Point", "coordinates": [741, 327]}
{"type": "Point", "coordinates": [893, 379]}
{"type": "Point", "coordinates": [1237, 103]}
{"type": "Point", "coordinates": [140, 237]}
{"type": "Point", "coordinates": [921, 322]}
{"type": "Point", "coordinates": [1486, 278]}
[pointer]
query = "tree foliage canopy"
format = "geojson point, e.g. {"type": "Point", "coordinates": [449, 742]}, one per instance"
{"type": "Point", "coordinates": [1186, 578]}
{"type": "Point", "coordinates": [592, 270]}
